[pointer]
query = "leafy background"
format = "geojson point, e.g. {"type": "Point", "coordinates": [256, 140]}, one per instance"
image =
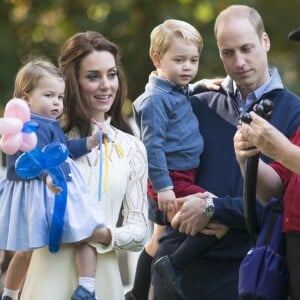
{"type": "Point", "coordinates": [31, 28]}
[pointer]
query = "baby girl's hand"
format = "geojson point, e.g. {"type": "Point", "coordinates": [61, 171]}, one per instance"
{"type": "Point", "coordinates": [53, 188]}
{"type": "Point", "coordinates": [93, 140]}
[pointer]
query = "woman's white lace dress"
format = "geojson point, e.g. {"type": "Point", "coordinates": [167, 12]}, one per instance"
{"type": "Point", "coordinates": [124, 188]}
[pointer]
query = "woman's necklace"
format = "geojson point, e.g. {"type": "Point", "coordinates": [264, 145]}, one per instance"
{"type": "Point", "coordinates": [96, 156]}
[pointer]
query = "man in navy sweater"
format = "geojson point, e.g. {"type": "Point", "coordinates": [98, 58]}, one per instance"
{"type": "Point", "coordinates": [243, 46]}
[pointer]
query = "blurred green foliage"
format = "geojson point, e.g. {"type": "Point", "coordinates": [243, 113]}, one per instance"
{"type": "Point", "coordinates": [31, 28]}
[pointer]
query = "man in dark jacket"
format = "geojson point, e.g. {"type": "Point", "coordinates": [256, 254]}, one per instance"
{"type": "Point", "coordinates": [243, 46]}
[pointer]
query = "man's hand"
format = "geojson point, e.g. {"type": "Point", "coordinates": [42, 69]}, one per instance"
{"type": "Point", "coordinates": [191, 219]}
{"type": "Point", "coordinates": [215, 228]}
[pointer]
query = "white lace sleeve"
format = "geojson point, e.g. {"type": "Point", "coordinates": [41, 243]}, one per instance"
{"type": "Point", "coordinates": [133, 232]}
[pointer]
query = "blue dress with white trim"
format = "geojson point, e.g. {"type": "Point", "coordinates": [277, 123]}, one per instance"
{"type": "Point", "coordinates": [26, 206]}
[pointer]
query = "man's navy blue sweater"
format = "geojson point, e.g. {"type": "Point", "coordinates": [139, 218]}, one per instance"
{"type": "Point", "coordinates": [218, 115]}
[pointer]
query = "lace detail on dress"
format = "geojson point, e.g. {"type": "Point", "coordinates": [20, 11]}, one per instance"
{"type": "Point", "coordinates": [127, 184]}
{"type": "Point", "coordinates": [135, 204]}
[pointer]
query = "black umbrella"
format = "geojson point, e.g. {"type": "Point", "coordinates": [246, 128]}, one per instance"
{"type": "Point", "coordinates": [264, 109]}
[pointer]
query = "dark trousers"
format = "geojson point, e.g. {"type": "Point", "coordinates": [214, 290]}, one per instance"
{"type": "Point", "coordinates": [293, 261]}
{"type": "Point", "coordinates": [203, 279]}
{"type": "Point", "coordinates": [192, 248]}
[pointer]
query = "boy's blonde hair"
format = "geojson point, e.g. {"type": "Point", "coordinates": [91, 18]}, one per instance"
{"type": "Point", "coordinates": [164, 34]}
{"type": "Point", "coordinates": [29, 75]}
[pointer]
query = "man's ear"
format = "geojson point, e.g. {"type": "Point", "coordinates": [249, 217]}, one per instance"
{"type": "Point", "coordinates": [156, 59]}
{"type": "Point", "coordinates": [266, 40]}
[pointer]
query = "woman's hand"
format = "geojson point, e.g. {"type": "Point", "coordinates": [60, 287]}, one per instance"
{"type": "Point", "coordinates": [243, 146]}
{"type": "Point", "coordinates": [266, 137]}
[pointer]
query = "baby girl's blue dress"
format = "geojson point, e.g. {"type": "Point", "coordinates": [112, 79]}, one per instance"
{"type": "Point", "coordinates": [26, 206]}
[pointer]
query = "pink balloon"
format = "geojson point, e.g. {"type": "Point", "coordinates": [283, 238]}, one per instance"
{"type": "Point", "coordinates": [29, 141]}
{"type": "Point", "coordinates": [10, 144]}
{"type": "Point", "coordinates": [17, 108]}
{"type": "Point", "coordinates": [16, 113]}
{"type": "Point", "coordinates": [10, 125]}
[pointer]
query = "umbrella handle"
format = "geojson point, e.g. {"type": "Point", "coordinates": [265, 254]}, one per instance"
{"type": "Point", "coordinates": [264, 109]}
{"type": "Point", "coordinates": [249, 194]}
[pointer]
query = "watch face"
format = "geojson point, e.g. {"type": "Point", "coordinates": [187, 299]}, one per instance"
{"type": "Point", "coordinates": [209, 210]}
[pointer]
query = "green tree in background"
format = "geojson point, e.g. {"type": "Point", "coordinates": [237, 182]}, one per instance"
{"type": "Point", "coordinates": [31, 28]}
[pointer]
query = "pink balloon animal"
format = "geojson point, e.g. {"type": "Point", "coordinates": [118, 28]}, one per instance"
{"type": "Point", "coordinates": [16, 130]}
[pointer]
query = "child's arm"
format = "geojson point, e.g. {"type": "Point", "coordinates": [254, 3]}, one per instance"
{"type": "Point", "coordinates": [152, 117]}
{"type": "Point", "coordinates": [166, 200]}
{"type": "Point", "coordinates": [81, 146]}
{"type": "Point", "coordinates": [204, 85]}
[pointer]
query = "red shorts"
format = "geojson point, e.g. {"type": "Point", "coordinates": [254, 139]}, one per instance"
{"type": "Point", "coordinates": [183, 182]}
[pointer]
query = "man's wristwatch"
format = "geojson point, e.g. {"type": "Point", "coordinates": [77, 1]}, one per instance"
{"type": "Point", "coordinates": [209, 208]}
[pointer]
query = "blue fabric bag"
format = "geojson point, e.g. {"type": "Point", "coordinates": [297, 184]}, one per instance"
{"type": "Point", "coordinates": [263, 272]}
